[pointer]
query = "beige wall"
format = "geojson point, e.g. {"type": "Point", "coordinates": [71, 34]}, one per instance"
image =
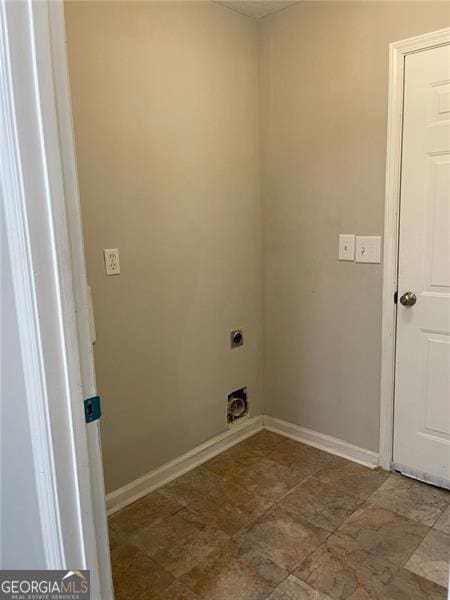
{"type": "Point", "coordinates": [165, 101]}
{"type": "Point", "coordinates": [324, 83]}
{"type": "Point", "coordinates": [166, 108]}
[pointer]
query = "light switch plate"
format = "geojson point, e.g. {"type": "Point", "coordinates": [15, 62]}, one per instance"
{"type": "Point", "coordinates": [346, 247]}
{"type": "Point", "coordinates": [112, 261]}
{"type": "Point", "coordinates": [368, 249]}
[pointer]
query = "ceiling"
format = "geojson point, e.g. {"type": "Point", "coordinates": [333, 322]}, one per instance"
{"type": "Point", "coordinates": [256, 8]}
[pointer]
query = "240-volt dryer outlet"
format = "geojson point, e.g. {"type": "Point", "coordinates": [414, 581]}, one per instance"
{"type": "Point", "coordinates": [237, 338]}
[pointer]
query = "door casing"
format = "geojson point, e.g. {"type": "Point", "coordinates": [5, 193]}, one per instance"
{"type": "Point", "coordinates": [39, 195]}
{"type": "Point", "coordinates": [397, 54]}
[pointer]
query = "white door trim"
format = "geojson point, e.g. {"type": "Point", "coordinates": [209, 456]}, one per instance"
{"type": "Point", "coordinates": [397, 53]}
{"type": "Point", "coordinates": [81, 291]}
{"type": "Point", "coordinates": [40, 204]}
{"type": "Point", "coordinates": [17, 226]}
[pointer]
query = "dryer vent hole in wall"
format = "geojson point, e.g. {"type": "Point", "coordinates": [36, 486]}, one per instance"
{"type": "Point", "coordinates": [237, 405]}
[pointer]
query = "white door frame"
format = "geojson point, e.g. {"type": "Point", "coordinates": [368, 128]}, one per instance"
{"type": "Point", "coordinates": [39, 194]}
{"type": "Point", "coordinates": [397, 54]}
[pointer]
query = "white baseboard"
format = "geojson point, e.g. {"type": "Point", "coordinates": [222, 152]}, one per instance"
{"type": "Point", "coordinates": [149, 482]}
{"type": "Point", "coordinates": [154, 479]}
{"type": "Point", "coordinates": [322, 441]}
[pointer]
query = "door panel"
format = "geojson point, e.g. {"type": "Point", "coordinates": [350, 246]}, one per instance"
{"type": "Point", "coordinates": [422, 398]}
{"type": "Point", "coordinates": [439, 235]}
{"type": "Point", "coordinates": [437, 376]}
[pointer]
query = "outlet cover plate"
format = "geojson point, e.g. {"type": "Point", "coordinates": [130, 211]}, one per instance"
{"type": "Point", "coordinates": [112, 261]}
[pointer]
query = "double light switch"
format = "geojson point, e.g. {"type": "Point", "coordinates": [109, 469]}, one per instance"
{"type": "Point", "coordinates": [362, 249]}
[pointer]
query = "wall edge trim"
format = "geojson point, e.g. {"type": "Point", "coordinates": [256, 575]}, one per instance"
{"type": "Point", "coordinates": [158, 477]}
{"type": "Point", "coordinates": [129, 493]}
{"type": "Point", "coordinates": [325, 442]}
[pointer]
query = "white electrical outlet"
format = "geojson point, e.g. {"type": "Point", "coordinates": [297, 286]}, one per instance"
{"type": "Point", "coordinates": [346, 247]}
{"type": "Point", "coordinates": [112, 261]}
{"type": "Point", "coordinates": [368, 249]}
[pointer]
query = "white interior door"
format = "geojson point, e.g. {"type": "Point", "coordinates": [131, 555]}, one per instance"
{"type": "Point", "coordinates": [422, 381]}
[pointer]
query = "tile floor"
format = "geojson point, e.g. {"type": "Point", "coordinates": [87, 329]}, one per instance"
{"type": "Point", "coordinates": [273, 518]}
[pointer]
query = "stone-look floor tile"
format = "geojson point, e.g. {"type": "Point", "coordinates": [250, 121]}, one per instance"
{"type": "Point", "coordinates": [231, 462]}
{"type": "Point", "coordinates": [148, 510]}
{"type": "Point", "coordinates": [136, 575]}
{"type": "Point", "coordinates": [229, 508]}
{"type": "Point", "coordinates": [270, 480]}
{"type": "Point", "coordinates": [412, 499]}
{"type": "Point", "coordinates": [289, 452]}
{"type": "Point", "coordinates": [117, 538]}
{"type": "Point", "coordinates": [295, 589]}
{"type": "Point", "coordinates": [282, 537]}
{"type": "Point", "coordinates": [345, 571]}
{"type": "Point", "coordinates": [432, 557]}
{"type": "Point", "coordinates": [183, 529]}
{"type": "Point", "coordinates": [383, 532]}
{"type": "Point", "coordinates": [354, 478]}
{"type": "Point", "coordinates": [234, 573]}
{"type": "Point", "coordinates": [191, 486]}
{"type": "Point", "coordinates": [409, 586]}
{"type": "Point", "coordinates": [443, 524]}
{"type": "Point", "coordinates": [320, 503]}
{"type": "Point", "coordinates": [176, 591]}
{"type": "Point", "coordinates": [262, 442]}
{"type": "Point", "coordinates": [180, 542]}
